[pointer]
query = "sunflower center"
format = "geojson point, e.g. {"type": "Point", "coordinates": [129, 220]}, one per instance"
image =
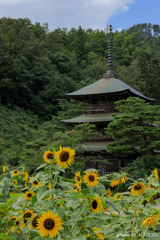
{"type": "Point", "coordinates": [64, 156]}
{"type": "Point", "coordinates": [27, 215]}
{"type": "Point", "coordinates": [35, 182]}
{"type": "Point", "coordinates": [49, 223]}
{"type": "Point", "coordinates": [17, 222]}
{"type": "Point", "coordinates": [137, 187]}
{"type": "Point", "coordinates": [91, 178]}
{"type": "Point", "coordinates": [78, 179]}
{"type": "Point", "coordinates": [29, 195]}
{"type": "Point", "coordinates": [50, 156]}
{"type": "Point", "coordinates": [15, 171]}
{"type": "Point", "coordinates": [94, 204]}
{"type": "Point", "coordinates": [34, 221]}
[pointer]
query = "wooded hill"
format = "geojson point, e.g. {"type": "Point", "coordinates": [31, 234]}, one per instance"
{"type": "Point", "coordinates": [38, 67]}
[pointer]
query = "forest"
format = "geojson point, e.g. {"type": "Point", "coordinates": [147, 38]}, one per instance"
{"type": "Point", "coordinates": [38, 67]}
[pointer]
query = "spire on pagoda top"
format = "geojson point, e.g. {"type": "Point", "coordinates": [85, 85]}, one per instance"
{"type": "Point", "coordinates": [110, 72]}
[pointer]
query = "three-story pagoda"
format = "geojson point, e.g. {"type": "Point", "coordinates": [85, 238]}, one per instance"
{"type": "Point", "coordinates": [101, 96]}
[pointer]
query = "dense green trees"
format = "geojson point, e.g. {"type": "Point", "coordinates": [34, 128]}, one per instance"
{"type": "Point", "coordinates": [38, 67]}
{"type": "Point", "coordinates": [134, 130]}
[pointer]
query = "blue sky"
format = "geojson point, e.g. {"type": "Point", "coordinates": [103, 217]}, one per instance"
{"type": "Point", "coordinates": [95, 14]}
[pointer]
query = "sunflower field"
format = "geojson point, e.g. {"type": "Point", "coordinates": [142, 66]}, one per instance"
{"type": "Point", "coordinates": [51, 206]}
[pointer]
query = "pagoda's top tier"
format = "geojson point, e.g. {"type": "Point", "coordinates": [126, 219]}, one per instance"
{"type": "Point", "coordinates": [109, 86]}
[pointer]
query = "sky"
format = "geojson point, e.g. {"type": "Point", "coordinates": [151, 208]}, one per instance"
{"type": "Point", "coordinates": [94, 14]}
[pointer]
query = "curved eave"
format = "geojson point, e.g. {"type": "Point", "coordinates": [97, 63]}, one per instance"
{"type": "Point", "coordinates": [90, 118]}
{"type": "Point", "coordinates": [107, 87]}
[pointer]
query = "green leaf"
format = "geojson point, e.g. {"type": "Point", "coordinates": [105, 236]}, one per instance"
{"type": "Point", "coordinates": [112, 205]}
{"type": "Point", "coordinates": [155, 183]}
{"type": "Point", "coordinates": [41, 166]}
{"type": "Point", "coordinates": [75, 195]}
{"type": "Point", "coordinates": [42, 192]}
{"type": "Point", "coordinates": [34, 199]}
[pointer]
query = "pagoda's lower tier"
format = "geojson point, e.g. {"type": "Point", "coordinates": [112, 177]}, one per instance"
{"type": "Point", "coordinates": [100, 159]}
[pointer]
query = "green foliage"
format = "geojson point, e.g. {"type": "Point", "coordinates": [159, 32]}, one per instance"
{"type": "Point", "coordinates": [133, 130]}
{"type": "Point", "coordinates": [143, 166]}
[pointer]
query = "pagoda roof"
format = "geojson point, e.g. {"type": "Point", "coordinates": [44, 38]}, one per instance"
{"type": "Point", "coordinates": [90, 118]}
{"type": "Point", "coordinates": [94, 146]}
{"type": "Point", "coordinates": [106, 86]}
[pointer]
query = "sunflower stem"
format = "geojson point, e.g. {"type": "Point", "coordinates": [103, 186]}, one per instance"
{"type": "Point", "coordinates": [78, 219]}
{"type": "Point", "coordinates": [144, 233]}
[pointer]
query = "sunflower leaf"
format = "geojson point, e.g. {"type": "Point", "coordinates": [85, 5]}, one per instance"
{"type": "Point", "coordinates": [75, 195]}
{"type": "Point", "coordinates": [41, 166]}
{"type": "Point", "coordinates": [112, 205]}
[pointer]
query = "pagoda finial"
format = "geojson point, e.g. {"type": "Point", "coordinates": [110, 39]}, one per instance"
{"type": "Point", "coordinates": [110, 72]}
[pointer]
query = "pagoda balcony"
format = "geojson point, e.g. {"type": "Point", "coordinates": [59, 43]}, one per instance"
{"type": "Point", "coordinates": [100, 109]}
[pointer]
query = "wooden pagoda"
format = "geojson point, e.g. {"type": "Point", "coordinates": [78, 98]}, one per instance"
{"type": "Point", "coordinates": [101, 96]}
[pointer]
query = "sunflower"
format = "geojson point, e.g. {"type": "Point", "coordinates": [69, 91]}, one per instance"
{"type": "Point", "coordinates": [13, 218]}
{"type": "Point", "coordinates": [96, 205]}
{"type": "Point", "coordinates": [65, 157]}
{"type": "Point", "coordinates": [49, 224]}
{"type": "Point", "coordinates": [27, 214]}
{"type": "Point", "coordinates": [36, 184]}
{"type": "Point", "coordinates": [49, 186]}
{"type": "Point", "coordinates": [14, 181]}
{"type": "Point", "coordinates": [109, 192]}
{"type": "Point", "coordinates": [28, 195]}
{"type": "Point", "coordinates": [91, 178]}
{"type": "Point", "coordinates": [78, 177]}
{"type": "Point", "coordinates": [4, 169]}
{"type": "Point", "coordinates": [97, 232]}
{"type": "Point", "coordinates": [138, 188]}
{"type": "Point", "coordinates": [48, 156]}
{"type": "Point", "coordinates": [15, 173]}
{"type": "Point", "coordinates": [25, 173]}
{"type": "Point", "coordinates": [33, 222]}
{"type": "Point", "coordinates": [59, 205]}
{"type": "Point", "coordinates": [119, 196]}
{"type": "Point", "coordinates": [149, 221]}
{"type": "Point", "coordinates": [124, 179]}
{"type": "Point", "coordinates": [156, 177]}
{"type": "Point", "coordinates": [78, 188]}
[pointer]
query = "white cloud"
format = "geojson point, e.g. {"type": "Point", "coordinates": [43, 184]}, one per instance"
{"type": "Point", "coordinates": [65, 13]}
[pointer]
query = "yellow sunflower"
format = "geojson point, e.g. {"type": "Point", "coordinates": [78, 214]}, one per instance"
{"type": "Point", "coordinates": [78, 188]}
{"type": "Point", "coordinates": [149, 221]}
{"type": "Point", "coordinates": [28, 195]}
{"type": "Point", "coordinates": [13, 218]}
{"type": "Point", "coordinates": [49, 186]}
{"type": "Point", "coordinates": [33, 222]}
{"type": "Point", "coordinates": [36, 184]}
{"type": "Point", "coordinates": [4, 169]}
{"type": "Point", "coordinates": [78, 177]}
{"type": "Point", "coordinates": [65, 157]}
{"type": "Point", "coordinates": [48, 156]}
{"type": "Point", "coordinates": [25, 173]}
{"type": "Point", "coordinates": [98, 233]}
{"type": "Point", "coordinates": [91, 178]}
{"type": "Point", "coordinates": [96, 205]}
{"type": "Point", "coordinates": [15, 173]}
{"type": "Point", "coordinates": [28, 214]}
{"type": "Point", "coordinates": [156, 176]}
{"type": "Point", "coordinates": [49, 224]}
{"type": "Point", "coordinates": [138, 188]}
{"type": "Point", "coordinates": [109, 192]}
{"type": "Point", "coordinates": [119, 196]}
{"type": "Point", "coordinates": [14, 181]}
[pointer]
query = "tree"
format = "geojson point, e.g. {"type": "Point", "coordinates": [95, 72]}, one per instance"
{"type": "Point", "coordinates": [134, 129]}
